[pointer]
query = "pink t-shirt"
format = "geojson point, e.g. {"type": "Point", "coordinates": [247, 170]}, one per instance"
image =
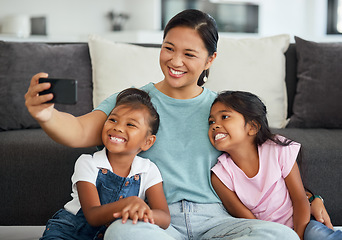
{"type": "Point", "coordinates": [265, 194]}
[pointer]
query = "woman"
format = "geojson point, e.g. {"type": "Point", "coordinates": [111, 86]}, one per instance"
{"type": "Point", "coordinates": [182, 151]}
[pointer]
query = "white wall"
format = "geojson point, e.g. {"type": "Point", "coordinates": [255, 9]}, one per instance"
{"type": "Point", "coordinates": [304, 18]}
{"type": "Point", "coordinates": [277, 16]}
{"type": "Point", "coordinates": [144, 14]}
{"type": "Point", "coordinates": [66, 17]}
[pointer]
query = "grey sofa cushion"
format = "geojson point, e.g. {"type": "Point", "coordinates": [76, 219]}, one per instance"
{"type": "Point", "coordinates": [317, 101]}
{"type": "Point", "coordinates": [35, 177]}
{"type": "Point", "coordinates": [20, 61]}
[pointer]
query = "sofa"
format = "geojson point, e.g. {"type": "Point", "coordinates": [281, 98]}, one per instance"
{"type": "Point", "coordinates": [35, 172]}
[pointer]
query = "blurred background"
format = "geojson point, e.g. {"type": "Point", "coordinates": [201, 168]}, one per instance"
{"type": "Point", "coordinates": [143, 20]}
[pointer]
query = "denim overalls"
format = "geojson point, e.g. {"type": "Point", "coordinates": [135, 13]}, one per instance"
{"type": "Point", "coordinates": [111, 188]}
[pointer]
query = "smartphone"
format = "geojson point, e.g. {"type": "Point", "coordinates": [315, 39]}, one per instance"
{"type": "Point", "coordinates": [64, 90]}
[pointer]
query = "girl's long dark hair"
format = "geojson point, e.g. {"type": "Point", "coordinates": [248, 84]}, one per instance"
{"type": "Point", "coordinates": [254, 112]}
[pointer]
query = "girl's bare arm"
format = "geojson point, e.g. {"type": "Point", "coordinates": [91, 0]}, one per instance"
{"type": "Point", "coordinates": [301, 206]}
{"type": "Point", "coordinates": [230, 200]}
{"type": "Point", "coordinates": [157, 202]}
{"type": "Point", "coordinates": [97, 214]}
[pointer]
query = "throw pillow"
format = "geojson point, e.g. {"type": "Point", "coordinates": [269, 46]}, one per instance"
{"type": "Point", "coordinates": [19, 61]}
{"type": "Point", "coordinates": [317, 102]}
{"type": "Point", "coordinates": [117, 66]}
{"type": "Point", "coordinates": [255, 65]}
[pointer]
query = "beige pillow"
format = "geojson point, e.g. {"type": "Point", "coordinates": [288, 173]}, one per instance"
{"type": "Point", "coordinates": [256, 65]}
{"type": "Point", "coordinates": [117, 66]}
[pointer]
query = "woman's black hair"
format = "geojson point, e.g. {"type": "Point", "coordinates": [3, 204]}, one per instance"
{"type": "Point", "coordinates": [254, 112]}
{"type": "Point", "coordinates": [137, 99]}
{"type": "Point", "coordinates": [205, 26]}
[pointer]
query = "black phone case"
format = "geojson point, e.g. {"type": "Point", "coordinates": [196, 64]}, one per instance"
{"type": "Point", "coordinates": [63, 90]}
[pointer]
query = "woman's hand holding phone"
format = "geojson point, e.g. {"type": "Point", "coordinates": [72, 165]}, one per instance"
{"type": "Point", "coordinates": [35, 103]}
{"type": "Point", "coordinates": [43, 92]}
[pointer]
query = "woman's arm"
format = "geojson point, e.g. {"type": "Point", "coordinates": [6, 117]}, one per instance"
{"type": "Point", "coordinates": [97, 214]}
{"type": "Point", "coordinates": [158, 204]}
{"type": "Point", "coordinates": [64, 128]}
{"type": "Point", "coordinates": [82, 131]}
{"type": "Point", "coordinates": [230, 200]}
{"type": "Point", "coordinates": [301, 207]}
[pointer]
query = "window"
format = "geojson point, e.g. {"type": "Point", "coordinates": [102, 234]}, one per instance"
{"type": "Point", "coordinates": [334, 23]}
{"type": "Point", "coordinates": [237, 17]}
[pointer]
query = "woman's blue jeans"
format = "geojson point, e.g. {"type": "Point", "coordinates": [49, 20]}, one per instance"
{"type": "Point", "coordinates": [201, 221]}
{"type": "Point", "coordinates": [318, 231]}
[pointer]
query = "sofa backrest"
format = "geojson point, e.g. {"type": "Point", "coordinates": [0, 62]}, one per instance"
{"type": "Point", "coordinates": [50, 56]}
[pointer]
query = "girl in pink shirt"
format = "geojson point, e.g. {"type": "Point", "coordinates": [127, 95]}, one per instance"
{"type": "Point", "coordinates": [257, 176]}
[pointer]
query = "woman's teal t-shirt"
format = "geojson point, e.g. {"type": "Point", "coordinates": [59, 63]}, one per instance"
{"type": "Point", "coordinates": [182, 151]}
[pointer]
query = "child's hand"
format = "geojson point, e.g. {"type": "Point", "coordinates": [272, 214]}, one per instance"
{"type": "Point", "coordinates": [320, 213]}
{"type": "Point", "coordinates": [135, 209]}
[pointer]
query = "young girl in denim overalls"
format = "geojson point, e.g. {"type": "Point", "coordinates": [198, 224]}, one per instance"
{"type": "Point", "coordinates": [113, 183]}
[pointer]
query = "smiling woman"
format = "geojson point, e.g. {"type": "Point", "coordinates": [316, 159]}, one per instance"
{"type": "Point", "coordinates": [181, 63]}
